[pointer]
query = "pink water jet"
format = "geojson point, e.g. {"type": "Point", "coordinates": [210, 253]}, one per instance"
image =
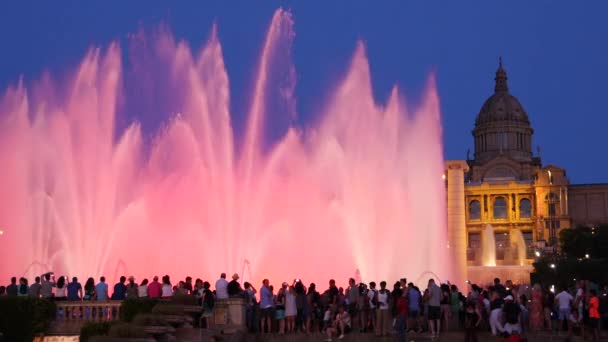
{"type": "Point", "coordinates": [359, 191]}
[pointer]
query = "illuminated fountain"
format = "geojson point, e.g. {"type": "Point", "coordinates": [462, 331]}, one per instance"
{"type": "Point", "coordinates": [358, 189]}
{"type": "Point", "coordinates": [488, 246]}
{"type": "Point", "coordinates": [518, 244]}
{"type": "Point", "coordinates": [515, 267]}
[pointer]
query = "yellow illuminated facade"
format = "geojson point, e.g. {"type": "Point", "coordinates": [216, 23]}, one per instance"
{"type": "Point", "coordinates": [508, 191]}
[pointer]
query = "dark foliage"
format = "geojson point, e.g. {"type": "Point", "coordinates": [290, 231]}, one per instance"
{"type": "Point", "coordinates": [21, 318]}
{"type": "Point", "coordinates": [131, 307]}
{"type": "Point", "coordinates": [91, 329]}
{"type": "Point", "coordinates": [583, 255]}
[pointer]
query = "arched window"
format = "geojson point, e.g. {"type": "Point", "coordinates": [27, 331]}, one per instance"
{"type": "Point", "coordinates": [500, 208]}
{"type": "Point", "coordinates": [474, 210]}
{"type": "Point", "coordinates": [525, 208]}
{"type": "Point", "coordinates": [551, 199]}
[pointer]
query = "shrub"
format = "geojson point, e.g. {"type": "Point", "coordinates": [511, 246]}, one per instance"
{"type": "Point", "coordinates": [150, 320]}
{"type": "Point", "coordinates": [23, 317]}
{"type": "Point", "coordinates": [183, 299]}
{"type": "Point", "coordinates": [121, 329]}
{"type": "Point", "coordinates": [168, 309]}
{"type": "Point", "coordinates": [91, 329]}
{"type": "Point", "coordinates": [131, 307]}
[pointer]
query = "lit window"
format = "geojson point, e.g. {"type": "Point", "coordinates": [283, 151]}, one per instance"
{"type": "Point", "coordinates": [552, 199]}
{"type": "Point", "coordinates": [500, 208]}
{"type": "Point", "coordinates": [474, 240]}
{"type": "Point", "coordinates": [525, 208]}
{"type": "Point", "coordinates": [474, 210]}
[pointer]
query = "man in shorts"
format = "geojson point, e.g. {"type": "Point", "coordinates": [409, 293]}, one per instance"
{"type": "Point", "coordinates": [413, 301]}
{"type": "Point", "coordinates": [266, 305]}
{"type": "Point", "coordinates": [564, 300]}
{"type": "Point", "coordinates": [434, 301]}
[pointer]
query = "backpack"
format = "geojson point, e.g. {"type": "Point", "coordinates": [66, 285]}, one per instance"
{"type": "Point", "coordinates": [375, 298]}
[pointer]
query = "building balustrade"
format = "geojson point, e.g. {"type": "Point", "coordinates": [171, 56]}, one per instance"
{"type": "Point", "coordinates": [71, 315]}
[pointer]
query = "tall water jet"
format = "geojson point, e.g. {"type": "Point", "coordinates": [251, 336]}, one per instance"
{"type": "Point", "coordinates": [519, 244]}
{"type": "Point", "coordinates": [360, 189]}
{"type": "Point", "coordinates": [488, 246]}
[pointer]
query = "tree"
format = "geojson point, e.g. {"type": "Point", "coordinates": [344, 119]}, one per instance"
{"type": "Point", "coordinates": [583, 255]}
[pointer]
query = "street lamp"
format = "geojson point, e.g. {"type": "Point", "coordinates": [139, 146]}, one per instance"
{"type": "Point", "coordinates": [552, 265]}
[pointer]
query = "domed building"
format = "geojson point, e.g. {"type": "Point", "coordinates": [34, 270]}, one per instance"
{"type": "Point", "coordinates": [503, 136]}
{"type": "Point", "coordinates": [514, 206]}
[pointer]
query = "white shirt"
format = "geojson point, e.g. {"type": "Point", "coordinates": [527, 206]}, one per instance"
{"type": "Point", "coordinates": [383, 300]}
{"type": "Point", "coordinates": [327, 316]}
{"type": "Point", "coordinates": [60, 291]}
{"type": "Point", "coordinates": [167, 290]}
{"type": "Point", "coordinates": [221, 289]}
{"type": "Point", "coordinates": [486, 304]}
{"type": "Point", "coordinates": [142, 291]}
{"type": "Point", "coordinates": [345, 317]}
{"type": "Point", "coordinates": [564, 299]}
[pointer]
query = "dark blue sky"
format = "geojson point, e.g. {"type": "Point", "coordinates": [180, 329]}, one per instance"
{"type": "Point", "coordinates": [555, 53]}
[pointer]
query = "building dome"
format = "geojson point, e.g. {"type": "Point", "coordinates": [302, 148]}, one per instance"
{"type": "Point", "coordinates": [502, 127]}
{"type": "Point", "coordinates": [501, 106]}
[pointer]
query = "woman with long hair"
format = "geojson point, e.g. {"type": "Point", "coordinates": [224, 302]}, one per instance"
{"type": "Point", "coordinates": [279, 304]}
{"type": "Point", "coordinates": [446, 310]}
{"type": "Point", "coordinates": [89, 289]}
{"type": "Point", "coordinates": [60, 292]}
{"type": "Point", "coordinates": [291, 309]}
{"type": "Point", "coordinates": [90, 294]}
{"type": "Point", "coordinates": [142, 290]}
{"type": "Point", "coordinates": [167, 289]}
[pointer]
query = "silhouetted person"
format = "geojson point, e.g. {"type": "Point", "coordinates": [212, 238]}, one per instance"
{"type": "Point", "coordinates": [234, 288]}
{"type": "Point", "coordinates": [155, 288]}
{"type": "Point", "coordinates": [35, 288]}
{"type": "Point", "coordinates": [74, 290]}
{"type": "Point", "coordinates": [221, 287]}
{"type": "Point", "coordinates": [132, 288]}
{"type": "Point", "coordinates": [188, 285]}
{"type": "Point", "coordinates": [46, 287]}
{"type": "Point", "coordinates": [12, 289]}
{"type": "Point", "coordinates": [101, 289]}
{"type": "Point", "coordinates": [120, 290]}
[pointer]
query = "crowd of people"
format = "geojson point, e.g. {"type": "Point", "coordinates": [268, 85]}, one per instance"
{"type": "Point", "coordinates": [507, 310]}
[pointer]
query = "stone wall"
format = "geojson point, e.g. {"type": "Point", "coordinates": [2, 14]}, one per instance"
{"type": "Point", "coordinates": [588, 204]}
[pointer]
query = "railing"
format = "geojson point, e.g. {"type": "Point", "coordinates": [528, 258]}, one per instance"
{"type": "Point", "coordinates": [71, 315]}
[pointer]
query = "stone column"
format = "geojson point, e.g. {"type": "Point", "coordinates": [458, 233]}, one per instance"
{"type": "Point", "coordinates": [457, 230]}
